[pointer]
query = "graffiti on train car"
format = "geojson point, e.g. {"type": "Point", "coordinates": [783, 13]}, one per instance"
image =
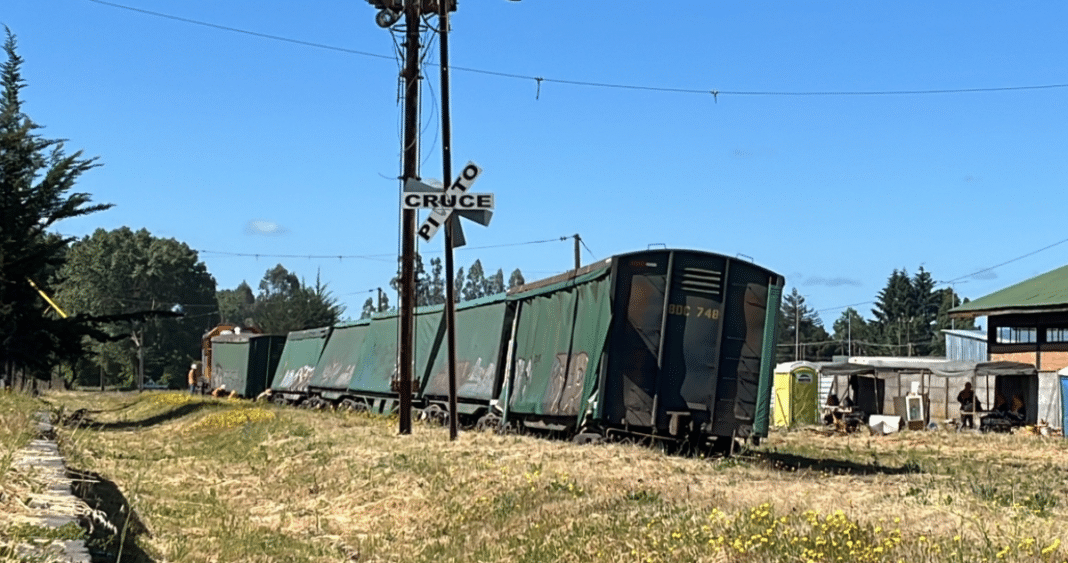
{"type": "Point", "coordinates": [477, 380]}
{"type": "Point", "coordinates": [297, 378]}
{"type": "Point", "coordinates": [523, 368]}
{"type": "Point", "coordinates": [567, 378]}
{"type": "Point", "coordinates": [338, 373]}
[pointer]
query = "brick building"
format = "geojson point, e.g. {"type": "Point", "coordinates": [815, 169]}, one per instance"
{"type": "Point", "coordinates": [1026, 322]}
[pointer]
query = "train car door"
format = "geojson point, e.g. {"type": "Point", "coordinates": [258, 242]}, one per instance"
{"type": "Point", "coordinates": [665, 348]}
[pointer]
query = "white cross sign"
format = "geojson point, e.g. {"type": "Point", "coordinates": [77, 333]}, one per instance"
{"type": "Point", "coordinates": [476, 207]}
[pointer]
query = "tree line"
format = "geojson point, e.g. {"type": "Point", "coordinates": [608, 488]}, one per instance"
{"type": "Point", "coordinates": [430, 285]}
{"type": "Point", "coordinates": [908, 316]}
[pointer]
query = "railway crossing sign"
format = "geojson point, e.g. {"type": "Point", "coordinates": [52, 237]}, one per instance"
{"type": "Point", "coordinates": [473, 206]}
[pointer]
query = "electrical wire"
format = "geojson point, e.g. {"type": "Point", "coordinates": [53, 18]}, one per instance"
{"type": "Point", "coordinates": [958, 279]}
{"type": "Point", "coordinates": [609, 85]}
{"type": "Point", "coordinates": [583, 241]}
{"type": "Point", "coordinates": [375, 257]}
{"type": "Point", "coordinates": [1021, 257]}
{"type": "Point", "coordinates": [244, 31]}
{"type": "Point", "coordinates": [844, 306]}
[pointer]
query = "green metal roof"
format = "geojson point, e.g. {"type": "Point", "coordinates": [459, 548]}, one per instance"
{"type": "Point", "coordinates": [1046, 292]}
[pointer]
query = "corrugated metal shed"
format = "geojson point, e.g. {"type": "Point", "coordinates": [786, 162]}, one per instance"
{"type": "Point", "coordinates": [966, 345]}
{"type": "Point", "coordinates": [1046, 292]}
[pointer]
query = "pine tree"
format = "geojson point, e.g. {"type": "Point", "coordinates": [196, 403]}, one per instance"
{"type": "Point", "coordinates": [852, 334]}
{"type": "Point", "coordinates": [458, 285]}
{"type": "Point", "coordinates": [801, 332]}
{"type": "Point", "coordinates": [475, 286]}
{"type": "Point", "coordinates": [495, 283]}
{"type": "Point", "coordinates": [894, 312]}
{"type": "Point", "coordinates": [516, 279]}
{"type": "Point", "coordinates": [368, 308]}
{"type": "Point", "coordinates": [36, 176]}
{"type": "Point", "coordinates": [436, 291]}
{"type": "Point", "coordinates": [947, 299]}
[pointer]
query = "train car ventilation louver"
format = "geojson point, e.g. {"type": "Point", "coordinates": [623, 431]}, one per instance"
{"type": "Point", "coordinates": [700, 280]}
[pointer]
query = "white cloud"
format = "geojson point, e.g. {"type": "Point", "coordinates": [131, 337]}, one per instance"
{"type": "Point", "coordinates": [261, 227]}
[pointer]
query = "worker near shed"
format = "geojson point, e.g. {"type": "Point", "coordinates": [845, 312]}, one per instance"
{"type": "Point", "coordinates": [968, 405]}
{"type": "Point", "coordinates": [193, 379]}
{"type": "Point", "coordinates": [1018, 412]}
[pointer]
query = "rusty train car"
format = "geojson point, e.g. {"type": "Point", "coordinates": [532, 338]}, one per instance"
{"type": "Point", "coordinates": [669, 344]}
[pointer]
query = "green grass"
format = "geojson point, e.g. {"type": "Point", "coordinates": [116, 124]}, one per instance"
{"type": "Point", "coordinates": [216, 480]}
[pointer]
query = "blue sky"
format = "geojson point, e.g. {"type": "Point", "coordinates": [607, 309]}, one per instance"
{"type": "Point", "coordinates": [251, 149]}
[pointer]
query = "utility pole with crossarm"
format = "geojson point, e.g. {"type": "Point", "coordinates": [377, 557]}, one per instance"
{"type": "Point", "coordinates": [389, 12]}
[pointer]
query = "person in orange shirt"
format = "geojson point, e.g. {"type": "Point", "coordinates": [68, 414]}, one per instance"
{"type": "Point", "coordinates": [193, 379]}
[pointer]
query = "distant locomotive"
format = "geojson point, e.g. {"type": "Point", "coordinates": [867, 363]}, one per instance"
{"type": "Point", "coordinates": [669, 344]}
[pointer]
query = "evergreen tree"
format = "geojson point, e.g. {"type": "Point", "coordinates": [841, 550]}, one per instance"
{"type": "Point", "coordinates": [852, 334]}
{"type": "Point", "coordinates": [947, 299]}
{"type": "Point", "coordinates": [894, 313]}
{"type": "Point", "coordinates": [516, 279]}
{"type": "Point", "coordinates": [368, 308]}
{"type": "Point", "coordinates": [286, 304]}
{"type": "Point", "coordinates": [437, 283]}
{"type": "Point", "coordinates": [906, 315]}
{"type": "Point", "coordinates": [801, 332]}
{"type": "Point", "coordinates": [495, 283]}
{"type": "Point", "coordinates": [475, 286]}
{"type": "Point", "coordinates": [458, 285]}
{"type": "Point", "coordinates": [424, 287]}
{"type": "Point", "coordinates": [236, 305]}
{"type": "Point", "coordinates": [36, 176]}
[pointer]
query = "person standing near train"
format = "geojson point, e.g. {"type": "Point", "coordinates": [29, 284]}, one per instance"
{"type": "Point", "coordinates": [193, 379]}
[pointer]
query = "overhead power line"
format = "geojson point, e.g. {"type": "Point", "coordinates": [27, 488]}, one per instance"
{"type": "Point", "coordinates": [957, 279]}
{"type": "Point", "coordinates": [1021, 257]}
{"type": "Point", "coordinates": [245, 31]}
{"type": "Point", "coordinates": [715, 93]}
{"type": "Point", "coordinates": [376, 257]}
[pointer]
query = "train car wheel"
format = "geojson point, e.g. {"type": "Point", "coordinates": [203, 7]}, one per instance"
{"type": "Point", "coordinates": [488, 422]}
{"type": "Point", "coordinates": [588, 438]}
{"type": "Point", "coordinates": [435, 414]}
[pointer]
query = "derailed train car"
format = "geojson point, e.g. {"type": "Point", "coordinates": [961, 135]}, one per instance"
{"type": "Point", "coordinates": [669, 344]}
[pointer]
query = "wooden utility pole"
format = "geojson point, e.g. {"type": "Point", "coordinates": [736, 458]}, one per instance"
{"type": "Point", "coordinates": [446, 165]}
{"type": "Point", "coordinates": [578, 256]}
{"type": "Point", "coordinates": [408, 226]}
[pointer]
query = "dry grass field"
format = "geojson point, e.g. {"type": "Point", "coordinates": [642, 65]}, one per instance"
{"type": "Point", "coordinates": [207, 480]}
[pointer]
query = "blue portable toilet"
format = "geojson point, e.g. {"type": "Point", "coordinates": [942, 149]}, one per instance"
{"type": "Point", "coordinates": [1064, 401]}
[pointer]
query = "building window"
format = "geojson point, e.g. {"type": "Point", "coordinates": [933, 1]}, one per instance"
{"type": "Point", "coordinates": [1057, 335]}
{"type": "Point", "coordinates": [1016, 335]}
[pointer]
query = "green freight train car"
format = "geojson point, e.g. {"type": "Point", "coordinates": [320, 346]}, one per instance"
{"type": "Point", "coordinates": [481, 351]}
{"type": "Point", "coordinates": [297, 364]}
{"type": "Point", "coordinates": [244, 363]}
{"type": "Point", "coordinates": [670, 344]}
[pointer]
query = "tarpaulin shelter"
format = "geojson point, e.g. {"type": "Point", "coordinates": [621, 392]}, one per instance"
{"type": "Point", "coordinates": [877, 385]}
